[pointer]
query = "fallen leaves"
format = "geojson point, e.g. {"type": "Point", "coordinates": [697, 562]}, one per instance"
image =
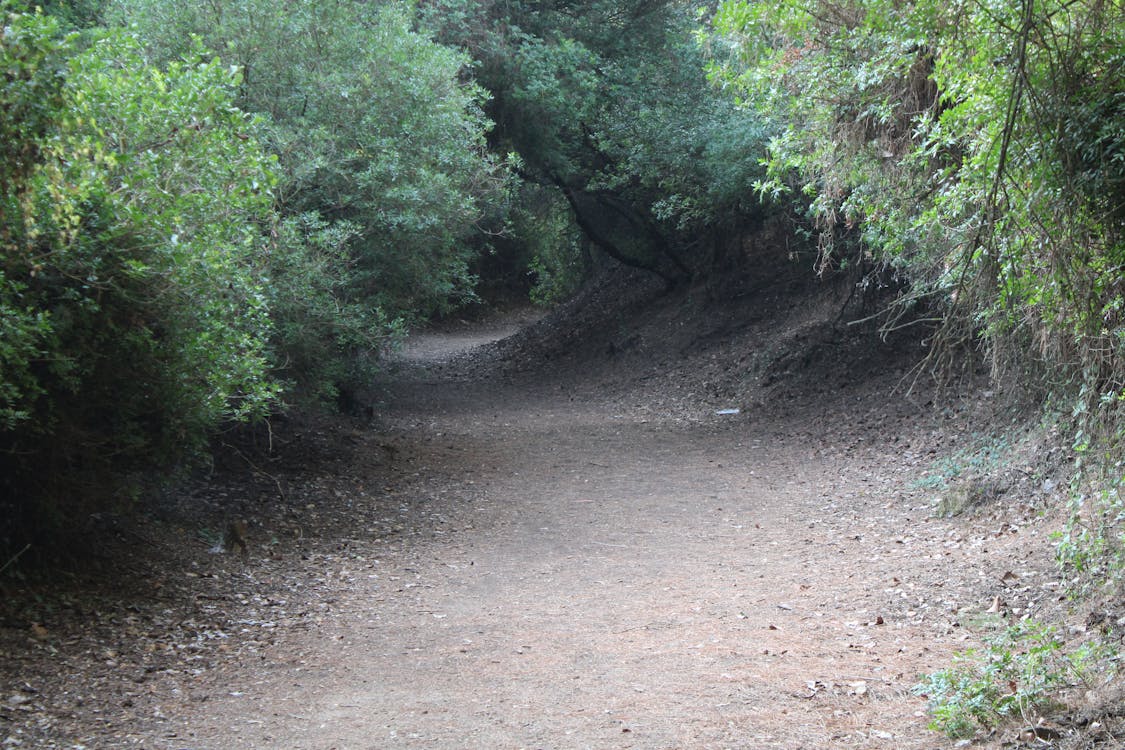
{"type": "Point", "coordinates": [854, 688]}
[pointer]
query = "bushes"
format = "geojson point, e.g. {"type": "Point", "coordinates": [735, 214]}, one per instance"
{"type": "Point", "coordinates": [162, 272]}
{"type": "Point", "coordinates": [555, 262]}
{"type": "Point", "coordinates": [327, 339]}
{"type": "Point", "coordinates": [131, 284]}
{"type": "Point", "coordinates": [1018, 675]}
{"type": "Point", "coordinates": [979, 148]}
{"type": "Point", "coordinates": [375, 126]}
{"type": "Point", "coordinates": [385, 178]}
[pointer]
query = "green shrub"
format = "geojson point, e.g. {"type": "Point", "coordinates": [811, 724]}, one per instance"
{"type": "Point", "coordinates": [977, 147]}
{"type": "Point", "coordinates": [1091, 547]}
{"type": "Point", "coordinates": [385, 178]}
{"type": "Point", "coordinates": [374, 124]}
{"type": "Point", "coordinates": [131, 285]}
{"type": "Point", "coordinates": [326, 339]}
{"type": "Point", "coordinates": [1020, 673]}
{"type": "Point", "coordinates": [542, 222]}
{"type": "Point", "coordinates": [982, 458]}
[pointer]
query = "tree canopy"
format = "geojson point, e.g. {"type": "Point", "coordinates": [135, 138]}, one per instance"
{"type": "Point", "coordinates": [606, 104]}
{"type": "Point", "coordinates": [386, 184]}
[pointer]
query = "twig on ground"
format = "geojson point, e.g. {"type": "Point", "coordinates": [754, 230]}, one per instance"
{"type": "Point", "coordinates": [14, 557]}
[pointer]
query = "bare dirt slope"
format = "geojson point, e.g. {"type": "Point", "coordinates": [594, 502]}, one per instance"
{"type": "Point", "coordinates": [580, 554]}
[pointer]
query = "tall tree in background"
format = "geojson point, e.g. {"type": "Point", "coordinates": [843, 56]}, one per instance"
{"type": "Point", "coordinates": [607, 106]}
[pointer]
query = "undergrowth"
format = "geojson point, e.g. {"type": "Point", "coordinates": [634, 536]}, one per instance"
{"type": "Point", "coordinates": [1025, 671]}
{"type": "Point", "coordinates": [1019, 673]}
{"type": "Point", "coordinates": [1091, 547]}
{"type": "Point", "coordinates": [983, 457]}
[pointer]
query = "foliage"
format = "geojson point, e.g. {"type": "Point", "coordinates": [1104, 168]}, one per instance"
{"type": "Point", "coordinates": [33, 65]}
{"type": "Point", "coordinates": [979, 149]}
{"type": "Point", "coordinates": [606, 103]}
{"type": "Point", "coordinates": [374, 126]}
{"type": "Point", "coordinates": [552, 241]}
{"type": "Point", "coordinates": [981, 458]}
{"type": "Point", "coordinates": [72, 14]}
{"type": "Point", "coordinates": [131, 295]}
{"type": "Point", "coordinates": [1020, 672]}
{"type": "Point", "coordinates": [328, 339]}
{"type": "Point", "coordinates": [978, 146]}
{"type": "Point", "coordinates": [1091, 547]}
{"type": "Point", "coordinates": [385, 177]}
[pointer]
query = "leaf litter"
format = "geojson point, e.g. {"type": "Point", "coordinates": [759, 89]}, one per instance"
{"type": "Point", "coordinates": [509, 554]}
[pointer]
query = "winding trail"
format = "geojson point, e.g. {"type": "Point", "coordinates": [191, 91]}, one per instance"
{"type": "Point", "coordinates": [571, 572]}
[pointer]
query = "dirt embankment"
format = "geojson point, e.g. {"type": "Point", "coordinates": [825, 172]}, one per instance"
{"type": "Point", "coordinates": [641, 522]}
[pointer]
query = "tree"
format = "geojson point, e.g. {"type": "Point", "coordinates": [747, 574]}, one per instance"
{"type": "Point", "coordinates": [373, 124]}
{"type": "Point", "coordinates": [977, 147]}
{"type": "Point", "coordinates": [606, 103]}
{"type": "Point", "coordinates": [73, 14]}
{"type": "Point", "coordinates": [386, 179]}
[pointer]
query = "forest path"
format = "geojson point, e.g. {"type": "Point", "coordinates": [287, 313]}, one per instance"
{"type": "Point", "coordinates": [567, 571]}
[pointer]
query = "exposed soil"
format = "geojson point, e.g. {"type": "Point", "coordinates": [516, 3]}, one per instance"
{"type": "Point", "coordinates": [643, 521]}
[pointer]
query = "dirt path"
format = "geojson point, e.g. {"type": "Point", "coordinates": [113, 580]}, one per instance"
{"type": "Point", "coordinates": [564, 571]}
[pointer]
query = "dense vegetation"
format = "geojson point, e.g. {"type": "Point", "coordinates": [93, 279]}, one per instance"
{"type": "Point", "coordinates": [215, 209]}
{"type": "Point", "coordinates": [172, 262]}
{"type": "Point", "coordinates": [132, 284]}
{"type": "Point", "coordinates": [979, 150]}
{"type": "Point", "coordinates": [607, 106]}
{"type": "Point", "coordinates": [211, 210]}
{"type": "Point", "coordinates": [978, 147]}
{"type": "Point", "coordinates": [384, 177]}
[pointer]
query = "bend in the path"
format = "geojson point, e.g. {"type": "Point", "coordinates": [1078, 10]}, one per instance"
{"type": "Point", "coordinates": [597, 578]}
